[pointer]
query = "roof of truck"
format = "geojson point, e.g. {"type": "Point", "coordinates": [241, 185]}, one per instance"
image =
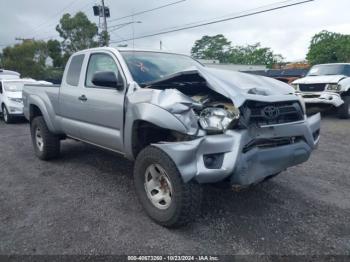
{"type": "Point", "coordinates": [334, 64]}
{"type": "Point", "coordinates": [8, 74]}
{"type": "Point", "coordinates": [126, 49]}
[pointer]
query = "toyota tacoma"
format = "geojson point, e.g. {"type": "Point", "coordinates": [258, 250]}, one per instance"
{"type": "Point", "coordinates": [183, 124]}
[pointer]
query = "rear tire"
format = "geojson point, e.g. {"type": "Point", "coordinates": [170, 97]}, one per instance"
{"type": "Point", "coordinates": [344, 109]}
{"type": "Point", "coordinates": [46, 144]}
{"type": "Point", "coordinates": [172, 203]}
{"type": "Point", "coordinates": [8, 119]}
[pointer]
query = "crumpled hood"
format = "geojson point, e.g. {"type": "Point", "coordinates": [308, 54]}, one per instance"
{"type": "Point", "coordinates": [237, 86]}
{"type": "Point", "coordinates": [332, 79]}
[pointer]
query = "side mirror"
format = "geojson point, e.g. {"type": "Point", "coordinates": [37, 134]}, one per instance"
{"type": "Point", "coordinates": [107, 79]}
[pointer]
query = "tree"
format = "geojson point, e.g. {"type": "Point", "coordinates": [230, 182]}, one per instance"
{"type": "Point", "coordinates": [329, 47]}
{"type": "Point", "coordinates": [104, 38]}
{"type": "Point", "coordinates": [218, 47]}
{"type": "Point", "coordinates": [78, 33]}
{"type": "Point", "coordinates": [254, 55]}
{"type": "Point", "coordinates": [55, 52]}
{"type": "Point", "coordinates": [28, 58]}
{"type": "Point", "coordinates": [212, 47]}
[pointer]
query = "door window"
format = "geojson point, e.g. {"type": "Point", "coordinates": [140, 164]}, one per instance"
{"type": "Point", "coordinates": [74, 70]}
{"type": "Point", "coordinates": [100, 63]}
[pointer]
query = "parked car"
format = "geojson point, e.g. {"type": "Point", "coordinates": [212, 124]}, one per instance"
{"type": "Point", "coordinates": [8, 74]}
{"type": "Point", "coordinates": [328, 86]}
{"type": "Point", "coordinates": [11, 104]}
{"type": "Point", "coordinates": [184, 125]}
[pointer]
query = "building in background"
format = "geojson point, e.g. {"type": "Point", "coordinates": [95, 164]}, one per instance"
{"type": "Point", "coordinates": [233, 67]}
{"type": "Point", "coordinates": [285, 72]}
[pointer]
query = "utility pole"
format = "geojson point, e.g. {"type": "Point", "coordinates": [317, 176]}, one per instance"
{"type": "Point", "coordinates": [104, 17]}
{"type": "Point", "coordinates": [102, 11]}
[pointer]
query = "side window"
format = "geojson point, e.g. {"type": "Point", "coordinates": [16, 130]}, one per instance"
{"type": "Point", "coordinates": [74, 70]}
{"type": "Point", "coordinates": [100, 63]}
{"type": "Point", "coordinates": [347, 70]}
{"type": "Point", "coordinates": [0, 87]}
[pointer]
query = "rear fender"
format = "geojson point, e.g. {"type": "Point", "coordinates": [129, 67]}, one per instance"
{"type": "Point", "coordinates": [46, 111]}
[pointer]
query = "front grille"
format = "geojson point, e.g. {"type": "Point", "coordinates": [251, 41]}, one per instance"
{"type": "Point", "coordinates": [312, 87]}
{"type": "Point", "coordinates": [311, 96]}
{"type": "Point", "coordinates": [263, 113]}
{"type": "Point", "coordinates": [263, 143]}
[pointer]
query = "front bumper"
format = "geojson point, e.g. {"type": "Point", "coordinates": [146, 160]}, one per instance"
{"type": "Point", "coordinates": [15, 109]}
{"type": "Point", "coordinates": [327, 98]}
{"type": "Point", "coordinates": [244, 167]}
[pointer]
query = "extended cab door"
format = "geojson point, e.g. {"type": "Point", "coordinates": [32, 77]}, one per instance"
{"type": "Point", "coordinates": [102, 107]}
{"type": "Point", "coordinates": [1, 95]}
{"type": "Point", "coordinates": [70, 106]}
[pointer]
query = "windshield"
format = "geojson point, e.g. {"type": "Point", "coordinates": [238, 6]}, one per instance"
{"type": "Point", "coordinates": [336, 69]}
{"type": "Point", "coordinates": [152, 66]}
{"type": "Point", "coordinates": [14, 86]}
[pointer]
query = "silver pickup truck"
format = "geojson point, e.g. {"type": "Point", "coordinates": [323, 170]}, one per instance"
{"type": "Point", "coordinates": [183, 124]}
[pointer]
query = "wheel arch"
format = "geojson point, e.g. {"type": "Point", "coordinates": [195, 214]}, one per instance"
{"type": "Point", "coordinates": [38, 108]}
{"type": "Point", "coordinates": [145, 119]}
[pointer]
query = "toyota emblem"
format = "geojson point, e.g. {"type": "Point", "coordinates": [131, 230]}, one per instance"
{"type": "Point", "coordinates": [271, 112]}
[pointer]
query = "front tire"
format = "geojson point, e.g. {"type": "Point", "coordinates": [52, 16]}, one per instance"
{"type": "Point", "coordinates": [344, 109]}
{"type": "Point", "coordinates": [164, 196]}
{"type": "Point", "coordinates": [8, 119]}
{"type": "Point", "coordinates": [46, 144]}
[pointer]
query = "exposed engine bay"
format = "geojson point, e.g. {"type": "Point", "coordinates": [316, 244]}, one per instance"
{"type": "Point", "coordinates": [214, 111]}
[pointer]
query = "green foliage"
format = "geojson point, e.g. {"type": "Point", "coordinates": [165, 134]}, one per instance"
{"type": "Point", "coordinates": [329, 47]}
{"type": "Point", "coordinates": [212, 47]}
{"type": "Point", "coordinates": [27, 58]}
{"type": "Point", "coordinates": [254, 55]}
{"type": "Point", "coordinates": [104, 38]}
{"type": "Point", "coordinates": [78, 33]}
{"type": "Point", "coordinates": [219, 48]}
{"type": "Point", "coordinates": [55, 52]}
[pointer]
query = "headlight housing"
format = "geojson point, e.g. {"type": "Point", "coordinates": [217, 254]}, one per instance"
{"type": "Point", "coordinates": [17, 100]}
{"type": "Point", "coordinates": [295, 86]}
{"type": "Point", "coordinates": [333, 87]}
{"type": "Point", "coordinates": [216, 120]}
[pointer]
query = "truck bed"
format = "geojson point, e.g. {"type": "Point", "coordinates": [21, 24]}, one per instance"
{"type": "Point", "coordinates": [47, 94]}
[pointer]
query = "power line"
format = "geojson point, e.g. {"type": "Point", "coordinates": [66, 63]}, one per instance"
{"type": "Point", "coordinates": [54, 16]}
{"type": "Point", "coordinates": [148, 10]}
{"type": "Point", "coordinates": [51, 20]}
{"type": "Point", "coordinates": [232, 14]}
{"type": "Point", "coordinates": [216, 21]}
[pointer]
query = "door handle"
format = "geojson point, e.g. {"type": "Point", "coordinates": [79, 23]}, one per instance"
{"type": "Point", "coordinates": [82, 98]}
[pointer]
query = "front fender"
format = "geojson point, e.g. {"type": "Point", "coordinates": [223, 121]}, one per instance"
{"type": "Point", "coordinates": [345, 85]}
{"type": "Point", "coordinates": [152, 114]}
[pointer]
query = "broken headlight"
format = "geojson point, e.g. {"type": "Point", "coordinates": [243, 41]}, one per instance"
{"type": "Point", "coordinates": [215, 120]}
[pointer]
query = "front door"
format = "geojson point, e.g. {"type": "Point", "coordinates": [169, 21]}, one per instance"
{"type": "Point", "coordinates": [103, 107]}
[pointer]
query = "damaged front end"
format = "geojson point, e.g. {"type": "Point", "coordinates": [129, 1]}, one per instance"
{"type": "Point", "coordinates": [219, 125]}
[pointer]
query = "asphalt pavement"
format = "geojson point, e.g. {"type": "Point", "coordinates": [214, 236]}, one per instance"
{"type": "Point", "coordinates": [84, 203]}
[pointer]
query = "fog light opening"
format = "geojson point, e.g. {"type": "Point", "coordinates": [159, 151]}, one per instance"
{"type": "Point", "coordinates": [213, 161]}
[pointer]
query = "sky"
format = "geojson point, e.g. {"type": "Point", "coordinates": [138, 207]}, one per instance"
{"type": "Point", "coordinates": [287, 31]}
